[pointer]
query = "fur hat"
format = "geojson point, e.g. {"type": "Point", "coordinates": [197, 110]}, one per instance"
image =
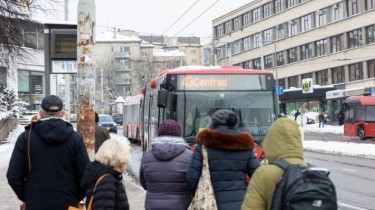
{"type": "Point", "coordinates": [169, 128]}
{"type": "Point", "coordinates": [224, 117]}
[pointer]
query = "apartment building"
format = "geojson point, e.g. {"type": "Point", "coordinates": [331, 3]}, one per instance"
{"type": "Point", "coordinates": [331, 42]}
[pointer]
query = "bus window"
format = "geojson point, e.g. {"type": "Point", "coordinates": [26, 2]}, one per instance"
{"type": "Point", "coordinates": [370, 113]}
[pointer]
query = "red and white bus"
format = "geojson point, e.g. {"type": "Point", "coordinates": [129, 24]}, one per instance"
{"type": "Point", "coordinates": [360, 116]}
{"type": "Point", "coordinates": [131, 116]}
{"type": "Point", "coordinates": [190, 94]}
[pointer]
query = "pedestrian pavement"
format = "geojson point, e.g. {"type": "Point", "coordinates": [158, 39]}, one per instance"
{"type": "Point", "coordinates": [9, 201]}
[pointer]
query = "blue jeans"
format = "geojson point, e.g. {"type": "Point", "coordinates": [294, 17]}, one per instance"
{"type": "Point", "coordinates": [321, 123]}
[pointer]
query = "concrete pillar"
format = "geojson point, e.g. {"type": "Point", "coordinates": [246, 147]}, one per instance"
{"type": "Point", "coordinates": [86, 27]}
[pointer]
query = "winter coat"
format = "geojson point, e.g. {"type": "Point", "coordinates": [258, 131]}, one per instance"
{"type": "Point", "coordinates": [110, 193]}
{"type": "Point", "coordinates": [101, 134]}
{"type": "Point", "coordinates": [163, 174]}
{"type": "Point", "coordinates": [283, 141]}
{"type": "Point", "coordinates": [230, 159]}
{"type": "Point", "coordinates": [58, 158]}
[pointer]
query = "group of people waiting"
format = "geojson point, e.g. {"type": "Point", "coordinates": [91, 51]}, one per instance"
{"type": "Point", "coordinates": [50, 168]}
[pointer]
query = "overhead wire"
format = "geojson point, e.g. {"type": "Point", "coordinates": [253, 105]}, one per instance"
{"type": "Point", "coordinates": [174, 23]}
{"type": "Point", "coordinates": [197, 17]}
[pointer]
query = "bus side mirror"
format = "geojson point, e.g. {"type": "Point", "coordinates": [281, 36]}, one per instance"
{"type": "Point", "coordinates": [162, 98]}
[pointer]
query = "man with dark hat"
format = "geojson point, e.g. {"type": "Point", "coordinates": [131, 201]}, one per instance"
{"type": "Point", "coordinates": [101, 133]}
{"type": "Point", "coordinates": [48, 161]}
{"type": "Point", "coordinates": [230, 156]}
{"type": "Point", "coordinates": [163, 169]}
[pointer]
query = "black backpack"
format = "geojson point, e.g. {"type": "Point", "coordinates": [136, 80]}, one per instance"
{"type": "Point", "coordinates": [303, 188]}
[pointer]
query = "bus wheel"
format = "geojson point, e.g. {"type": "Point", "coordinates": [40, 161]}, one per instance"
{"type": "Point", "coordinates": [361, 133]}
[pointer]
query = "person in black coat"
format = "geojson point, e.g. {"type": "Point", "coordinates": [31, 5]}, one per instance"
{"type": "Point", "coordinates": [230, 158]}
{"type": "Point", "coordinates": [48, 161]}
{"type": "Point", "coordinates": [111, 161]}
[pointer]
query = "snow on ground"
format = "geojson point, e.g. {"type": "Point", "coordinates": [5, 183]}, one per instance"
{"type": "Point", "coordinates": [364, 149]}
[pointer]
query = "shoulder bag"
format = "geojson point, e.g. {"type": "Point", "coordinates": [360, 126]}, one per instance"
{"type": "Point", "coordinates": [204, 198]}
{"type": "Point", "coordinates": [92, 196]}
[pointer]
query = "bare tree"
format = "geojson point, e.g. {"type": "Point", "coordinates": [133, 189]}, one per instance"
{"type": "Point", "coordinates": [143, 70]}
{"type": "Point", "coordinates": [15, 15]}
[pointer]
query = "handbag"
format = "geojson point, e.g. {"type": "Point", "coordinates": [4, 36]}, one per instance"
{"type": "Point", "coordinates": [92, 196]}
{"type": "Point", "coordinates": [204, 198]}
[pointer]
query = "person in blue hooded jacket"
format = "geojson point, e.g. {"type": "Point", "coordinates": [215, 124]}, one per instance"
{"type": "Point", "coordinates": [230, 158]}
{"type": "Point", "coordinates": [48, 161]}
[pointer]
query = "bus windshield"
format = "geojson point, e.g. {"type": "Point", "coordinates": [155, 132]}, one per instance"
{"type": "Point", "coordinates": [255, 110]}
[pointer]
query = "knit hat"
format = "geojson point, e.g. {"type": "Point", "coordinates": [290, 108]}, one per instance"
{"type": "Point", "coordinates": [52, 103]}
{"type": "Point", "coordinates": [224, 117]}
{"type": "Point", "coordinates": [169, 128]}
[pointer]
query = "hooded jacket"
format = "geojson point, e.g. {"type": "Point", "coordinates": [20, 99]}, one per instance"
{"type": "Point", "coordinates": [110, 192]}
{"type": "Point", "coordinates": [230, 159]}
{"type": "Point", "coordinates": [283, 141]}
{"type": "Point", "coordinates": [45, 171]}
{"type": "Point", "coordinates": [163, 174]}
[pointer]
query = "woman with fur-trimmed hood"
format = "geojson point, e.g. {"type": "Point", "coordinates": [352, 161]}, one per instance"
{"type": "Point", "coordinates": [163, 170]}
{"type": "Point", "coordinates": [230, 159]}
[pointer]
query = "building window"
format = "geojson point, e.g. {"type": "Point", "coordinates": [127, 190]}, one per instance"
{"type": "Point", "coordinates": [305, 22]}
{"type": "Point", "coordinates": [256, 40]}
{"type": "Point", "coordinates": [306, 51]}
{"type": "Point", "coordinates": [355, 38]}
{"type": "Point", "coordinates": [193, 61]}
{"type": "Point", "coordinates": [280, 32]}
{"type": "Point", "coordinates": [246, 19]}
{"type": "Point", "coordinates": [321, 47]}
{"type": "Point", "coordinates": [237, 47]}
{"type": "Point", "coordinates": [371, 68]}
{"type": "Point", "coordinates": [267, 10]}
{"type": "Point", "coordinates": [370, 31]}
{"type": "Point", "coordinates": [267, 36]}
{"type": "Point", "coordinates": [125, 50]}
{"type": "Point", "coordinates": [257, 63]}
{"type": "Point", "coordinates": [338, 75]}
{"type": "Point", "coordinates": [228, 27]}
{"type": "Point", "coordinates": [337, 12]}
{"type": "Point", "coordinates": [292, 27]}
{"type": "Point", "coordinates": [268, 61]}
{"type": "Point", "coordinates": [236, 23]}
{"type": "Point", "coordinates": [291, 3]}
{"type": "Point", "coordinates": [355, 7]}
{"type": "Point", "coordinates": [320, 18]}
{"type": "Point", "coordinates": [370, 4]}
{"type": "Point", "coordinates": [322, 77]}
{"type": "Point", "coordinates": [3, 76]}
{"type": "Point", "coordinates": [337, 43]}
{"type": "Point", "coordinates": [280, 58]}
{"type": "Point", "coordinates": [220, 30]}
{"type": "Point", "coordinates": [257, 14]}
{"type": "Point", "coordinates": [292, 55]}
{"type": "Point", "coordinates": [125, 63]}
{"type": "Point", "coordinates": [31, 88]}
{"type": "Point", "coordinates": [293, 81]}
{"type": "Point", "coordinates": [278, 6]}
{"type": "Point", "coordinates": [144, 53]}
{"type": "Point", "coordinates": [246, 43]}
{"type": "Point", "coordinates": [246, 64]}
{"type": "Point", "coordinates": [355, 71]}
{"type": "Point", "coordinates": [193, 52]}
{"type": "Point", "coordinates": [281, 82]}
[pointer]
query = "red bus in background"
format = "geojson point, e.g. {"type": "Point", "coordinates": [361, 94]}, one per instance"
{"type": "Point", "coordinates": [190, 94]}
{"type": "Point", "coordinates": [360, 116]}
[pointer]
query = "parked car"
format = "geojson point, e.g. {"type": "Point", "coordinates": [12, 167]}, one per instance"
{"type": "Point", "coordinates": [118, 118]}
{"type": "Point", "coordinates": [73, 118]}
{"type": "Point", "coordinates": [107, 121]}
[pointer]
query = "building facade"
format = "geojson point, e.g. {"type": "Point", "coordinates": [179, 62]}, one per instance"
{"type": "Point", "coordinates": [329, 41]}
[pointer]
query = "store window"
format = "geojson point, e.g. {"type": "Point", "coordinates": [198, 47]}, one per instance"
{"type": "Point", "coordinates": [31, 88]}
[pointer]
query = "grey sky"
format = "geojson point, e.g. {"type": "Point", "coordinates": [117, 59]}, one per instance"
{"type": "Point", "coordinates": [156, 16]}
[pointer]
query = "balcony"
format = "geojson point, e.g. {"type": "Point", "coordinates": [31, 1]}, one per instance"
{"type": "Point", "coordinates": [123, 81]}
{"type": "Point", "coordinates": [122, 68]}
{"type": "Point", "coordinates": [122, 54]}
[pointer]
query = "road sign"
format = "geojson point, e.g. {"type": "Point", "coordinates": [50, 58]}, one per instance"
{"type": "Point", "coordinates": [279, 90]}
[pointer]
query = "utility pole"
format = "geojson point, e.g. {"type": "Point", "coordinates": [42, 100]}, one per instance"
{"type": "Point", "coordinates": [86, 72]}
{"type": "Point", "coordinates": [67, 76]}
